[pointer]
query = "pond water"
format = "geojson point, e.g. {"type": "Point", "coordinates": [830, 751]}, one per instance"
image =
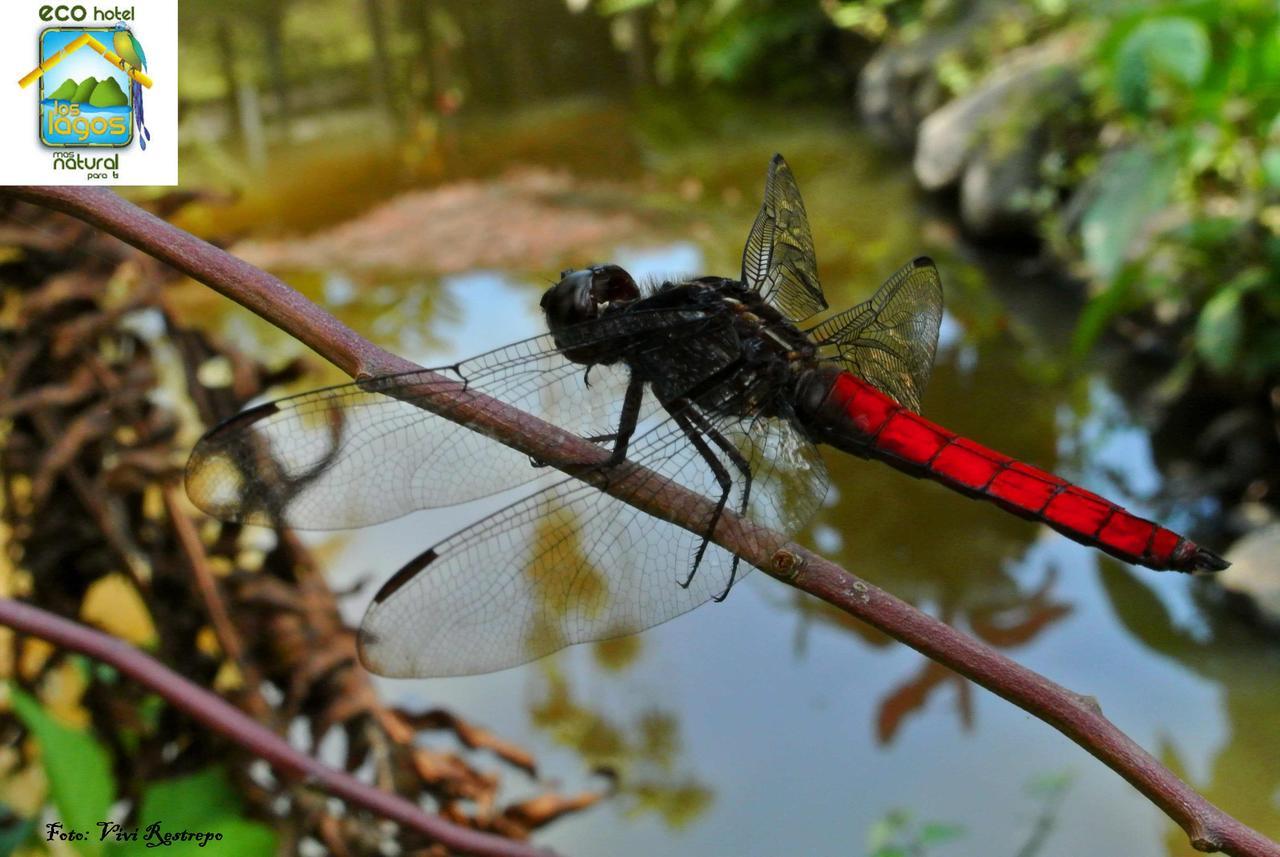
{"type": "Point", "coordinates": [769, 724]}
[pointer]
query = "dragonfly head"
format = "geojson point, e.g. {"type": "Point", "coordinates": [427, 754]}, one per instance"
{"type": "Point", "coordinates": [583, 295]}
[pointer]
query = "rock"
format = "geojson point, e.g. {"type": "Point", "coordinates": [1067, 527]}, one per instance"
{"type": "Point", "coordinates": [951, 134]}
{"type": "Point", "coordinates": [898, 86]}
{"type": "Point", "coordinates": [1255, 572]}
{"type": "Point", "coordinates": [1002, 189]}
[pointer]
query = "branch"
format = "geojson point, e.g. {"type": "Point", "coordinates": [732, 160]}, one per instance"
{"type": "Point", "coordinates": [1077, 717]}
{"type": "Point", "coordinates": [225, 719]}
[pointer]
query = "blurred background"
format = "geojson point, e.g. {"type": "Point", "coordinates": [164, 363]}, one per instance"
{"type": "Point", "coordinates": [1100, 186]}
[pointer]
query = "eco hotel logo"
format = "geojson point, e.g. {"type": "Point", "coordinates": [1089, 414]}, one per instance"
{"type": "Point", "coordinates": [91, 94]}
{"type": "Point", "coordinates": [76, 118]}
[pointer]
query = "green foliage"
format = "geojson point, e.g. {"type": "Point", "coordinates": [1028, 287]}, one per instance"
{"type": "Point", "coordinates": [1131, 186]}
{"type": "Point", "coordinates": [897, 834]}
{"type": "Point", "coordinates": [1185, 211]}
{"type": "Point", "coordinates": [1161, 52]}
{"type": "Point", "coordinates": [81, 784]}
{"type": "Point", "coordinates": [780, 44]}
{"type": "Point", "coordinates": [203, 802]}
{"type": "Point", "coordinates": [83, 790]}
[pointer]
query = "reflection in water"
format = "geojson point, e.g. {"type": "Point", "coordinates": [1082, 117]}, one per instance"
{"type": "Point", "coordinates": [642, 755]}
{"type": "Point", "coordinates": [1245, 772]}
{"type": "Point", "coordinates": [1011, 618]}
{"type": "Point", "coordinates": [970, 563]}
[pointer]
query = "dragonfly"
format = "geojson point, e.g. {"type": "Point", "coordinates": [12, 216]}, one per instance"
{"type": "Point", "coordinates": [721, 386]}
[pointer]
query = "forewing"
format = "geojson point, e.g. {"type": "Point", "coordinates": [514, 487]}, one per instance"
{"type": "Point", "coordinates": [360, 454]}
{"type": "Point", "coordinates": [778, 260]}
{"type": "Point", "coordinates": [572, 564]}
{"type": "Point", "coordinates": [890, 340]}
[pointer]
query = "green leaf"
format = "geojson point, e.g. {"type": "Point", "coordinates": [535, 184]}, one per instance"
{"type": "Point", "coordinates": [617, 7]}
{"type": "Point", "coordinates": [936, 833]}
{"type": "Point", "coordinates": [1050, 785]}
{"type": "Point", "coordinates": [1271, 165]}
{"type": "Point", "coordinates": [1172, 48]}
{"type": "Point", "coordinates": [204, 803]}
{"type": "Point", "coordinates": [1098, 313]}
{"type": "Point", "coordinates": [14, 831]}
{"type": "Point", "coordinates": [1219, 330]}
{"type": "Point", "coordinates": [81, 785]}
{"type": "Point", "coordinates": [187, 801]}
{"type": "Point", "coordinates": [886, 829]}
{"type": "Point", "coordinates": [1132, 186]}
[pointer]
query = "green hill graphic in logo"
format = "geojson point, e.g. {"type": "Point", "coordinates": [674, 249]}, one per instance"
{"type": "Point", "coordinates": [97, 93]}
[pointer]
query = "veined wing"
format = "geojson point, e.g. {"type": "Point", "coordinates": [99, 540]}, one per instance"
{"type": "Point", "coordinates": [778, 260]}
{"type": "Point", "coordinates": [890, 340]}
{"type": "Point", "coordinates": [363, 453]}
{"type": "Point", "coordinates": [571, 564]}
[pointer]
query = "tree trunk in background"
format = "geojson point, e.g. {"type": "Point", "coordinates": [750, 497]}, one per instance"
{"type": "Point", "coordinates": [640, 51]}
{"type": "Point", "coordinates": [225, 43]}
{"type": "Point", "coordinates": [420, 81]}
{"type": "Point", "coordinates": [273, 38]}
{"type": "Point", "coordinates": [381, 69]}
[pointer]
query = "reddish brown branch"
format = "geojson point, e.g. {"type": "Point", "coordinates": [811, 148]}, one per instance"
{"type": "Point", "coordinates": [224, 718]}
{"type": "Point", "coordinates": [1209, 828]}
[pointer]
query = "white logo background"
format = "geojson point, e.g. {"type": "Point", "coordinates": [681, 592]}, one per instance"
{"type": "Point", "coordinates": [24, 159]}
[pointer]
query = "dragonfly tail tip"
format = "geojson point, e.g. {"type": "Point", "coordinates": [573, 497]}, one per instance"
{"type": "Point", "coordinates": [1206, 560]}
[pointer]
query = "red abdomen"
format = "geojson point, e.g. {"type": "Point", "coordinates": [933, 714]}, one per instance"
{"type": "Point", "coordinates": [850, 414]}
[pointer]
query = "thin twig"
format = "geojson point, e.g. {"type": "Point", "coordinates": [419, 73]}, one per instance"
{"type": "Point", "coordinates": [1076, 716]}
{"type": "Point", "coordinates": [220, 620]}
{"type": "Point", "coordinates": [224, 718]}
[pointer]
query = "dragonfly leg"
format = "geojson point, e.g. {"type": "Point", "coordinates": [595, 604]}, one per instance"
{"type": "Point", "coordinates": [744, 467]}
{"type": "Point", "coordinates": [627, 422]}
{"type": "Point", "coordinates": [722, 477]}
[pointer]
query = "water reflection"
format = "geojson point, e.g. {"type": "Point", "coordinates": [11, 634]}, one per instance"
{"type": "Point", "coordinates": [642, 753]}
{"type": "Point", "coordinates": [702, 698]}
{"type": "Point", "coordinates": [1243, 774]}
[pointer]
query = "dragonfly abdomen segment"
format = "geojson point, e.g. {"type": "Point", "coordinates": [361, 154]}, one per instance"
{"type": "Point", "coordinates": [854, 416]}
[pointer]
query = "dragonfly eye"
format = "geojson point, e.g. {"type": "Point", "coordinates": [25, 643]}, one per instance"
{"type": "Point", "coordinates": [571, 300]}
{"type": "Point", "coordinates": [611, 283]}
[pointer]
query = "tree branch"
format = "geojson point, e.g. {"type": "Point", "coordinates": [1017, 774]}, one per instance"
{"type": "Point", "coordinates": [225, 719]}
{"type": "Point", "coordinates": [1077, 717]}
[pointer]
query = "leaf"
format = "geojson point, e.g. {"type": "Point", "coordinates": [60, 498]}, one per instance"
{"type": "Point", "coordinates": [14, 831]}
{"type": "Point", "coordinates": [1219, 330]}
{"type": "Point", "coordinates": [1050, 785]}
{"type": "Point", "coordinates": [187, 801]}
{"type": "Point", "coordinates": [936, 833]}
{"type": "Point", "coordinates": [886, 829]}
{"type": "Point", "coordinates": [617, 7]}
{"type": "Point", "coordinates": [1131, 186]}
{"type": "Point", "coordinates": [1271, 165]}
{"type": "Point", "coordinates": [81, 785]}
{"type": "Point", "coordinates": [1099, 312]}
{"type": "Point", "coordinates": [203, 803]}
{"type": "Point", "coordinates": [1220, 327]}
{"type": "Point", "coordinates": [1172, 48]}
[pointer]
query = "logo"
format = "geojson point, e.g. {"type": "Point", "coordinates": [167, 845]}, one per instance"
{"type": "Point", "coordinates": [97, 70]}
{"type": "Point", "coordinates": [99, 99]}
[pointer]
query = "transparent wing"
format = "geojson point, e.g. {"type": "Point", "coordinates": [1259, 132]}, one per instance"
{"type": "Point", "coordinates": [571, 564]}
{"type": "Point", "coordinates": [890, 340]}
{"type": "Point", "coordinates": [360, 454]}
{"type": "Point", "coordinates": [778, 260]}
